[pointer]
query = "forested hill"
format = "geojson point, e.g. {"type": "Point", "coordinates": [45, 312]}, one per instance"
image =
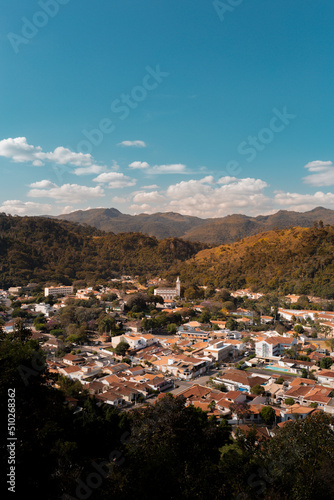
{"type": "Point", "coordinates": [46, 250]}
{"type": "Point", "coordinates": [216, 231]}
{"type": "Point", "coordinates": [297, 260]}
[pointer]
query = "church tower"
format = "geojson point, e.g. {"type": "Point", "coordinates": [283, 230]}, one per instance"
{"type": "Point", "coordinates": [178, 286]}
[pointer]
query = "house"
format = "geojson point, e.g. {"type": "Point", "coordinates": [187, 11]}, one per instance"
{"type": "Point", "coordinates": [245, 320]}
{"type": "Point", "coordinates": [238, 347]}
{"type": "Point", "coordinates": [73, 359]}
{"type": "Point", "coordinates": [219, 350]}
{"type": "Point", "coordinates": [295, 411]}
{"type": "Point", "coordinates": [110, 398]}
{"type": "Point", "coordinates": [266, 319]}
{"type": "Point", "coordinates": [195, 391]}
{"type": "Point", "coordinates": [138, 341]}
{"type": "Point", "coordinates": [194, 333]}
{"type": "Point", "coordinates": [296, 365]}
{"type": "Point", "coordinates": [72, 372]}
{"type": "Point", "coordinates": [119, 367]}
{"type": "Point", "coordinates": [45, 309]}
{"type": "Point", "coordinates": [135, 370]}
{"type": "Point", "coordinates": [240, 380]}
{"type": "Point", "coordinates": [273, 346]}
{"type": "Point", "coordinates": [91, 368]}
{"type": "Point", "coordinates": [181, 366]}
{"type": "Point", "coordinates": [326, 377]}
{"type": "Point", "coordinates": [95, 387]}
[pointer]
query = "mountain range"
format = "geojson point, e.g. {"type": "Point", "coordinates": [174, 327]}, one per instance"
{"type": "Point", "coordinates": [214, 231]}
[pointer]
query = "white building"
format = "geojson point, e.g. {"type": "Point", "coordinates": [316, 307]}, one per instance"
{"type": "Point", "coordinates": [169, 293]}
{"type": "Point", "coordinates": [218, 350]}
{"type": "Point", "coordinates": [61, 291]}
{"type": "Point", "coordinates": [45, 309]}
{"type": "Point", "coordinates": [273, 346]}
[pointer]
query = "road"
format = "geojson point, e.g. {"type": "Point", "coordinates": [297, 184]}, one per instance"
{"type": "Point", "coordinates": [185, 384]}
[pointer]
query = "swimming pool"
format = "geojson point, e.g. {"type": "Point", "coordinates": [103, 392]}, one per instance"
{"type": "Point", "coordinates": [276, 368]}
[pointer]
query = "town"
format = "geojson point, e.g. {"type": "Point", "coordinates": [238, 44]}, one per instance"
{"type": "Point", "coordinates": [249, 358]}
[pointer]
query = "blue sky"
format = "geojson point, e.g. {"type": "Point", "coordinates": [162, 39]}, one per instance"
{"type": "Point", "coordinates": [206, 108]}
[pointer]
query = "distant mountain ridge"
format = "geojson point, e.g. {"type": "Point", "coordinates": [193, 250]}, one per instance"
{"type": "Point", "coordinates": [215, 231]}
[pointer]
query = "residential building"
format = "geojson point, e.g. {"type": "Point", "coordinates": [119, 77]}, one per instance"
{"type": "Point", "coordinates": [273, 346]}
{"type": "Point", "coordinates": [60, 291]}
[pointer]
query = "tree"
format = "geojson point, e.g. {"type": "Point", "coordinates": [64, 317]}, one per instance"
{"type": "Point", "coordinates": [242, 410]}
{"type": "Point", "coordinates": [212, 405]}
{"type": "Point", "coordinates": [289, 401]}
{"type": "Point", "coordinates": [21, 331]}
{"type": "Point", "coordinates": [172, 328]}
{"type": "Point", "coordinates": [169, 436]}
{"type": "Point", "coordinates": [257, 390]}
{"type": "Point", "coordinates": [299, 460]}
{"type": "Point", "coordinates": [231, 324]}
{"type": "Point", "coordinates": [121, 348]}
{"type": "Point", "coordinates": [204, 317]}
{"type": "Point", "coordinates": [330, 344]}
{"type": "Point", "coordinates": [268, 414]}
{"type": "Point", "coordinates": [322, 329]}
{"type": "Point", "coordinates": [298, 329]}
{"type": "Point", "coordinates": [326, 363]}
{"type": "Point", "coordinates": [106, 324]}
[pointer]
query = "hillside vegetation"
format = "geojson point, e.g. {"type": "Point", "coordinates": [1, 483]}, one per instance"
{"type": "Point", "coordinates": [297, 260]}
{"type": "Point", "coordinates": [215, 231]}
{"type": "Point", "coordinates": [47, 250]}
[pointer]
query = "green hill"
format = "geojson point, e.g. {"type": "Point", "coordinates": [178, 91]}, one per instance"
{"type": "Point", "coordinates": [48, 250]}
{"type": "Point", "coordinates": [297, 260]}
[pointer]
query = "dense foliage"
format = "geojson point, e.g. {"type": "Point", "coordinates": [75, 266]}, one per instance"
{"type": "Point", "coordinates": [289, 261]}
{"type": "Point", "coordinates": [165, 450]}
{"type": "Point", "coordinates": [46, 250]}
{"type": "Point", "coordinates": [296, 260]}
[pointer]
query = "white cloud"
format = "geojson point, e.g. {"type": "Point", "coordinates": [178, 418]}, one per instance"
{"type": "Point", "coordinates": [303, 202]}
{"type": "Point", "coordinates": [139, 165]}
{"type": "Point", "coordinates": [207, 198]}
{"type": "Point", "coordinates": [92, 169]}
{"type": "Point", "coordinates": [42, 184]}
{"type": "Point", "coordinates": [64, 156]}
{"type": "Point", "coordinates": [67, 193]}
{"type": "Point", "coordinates": [18, 150]}
{"type": "Point", "coordinates": [118, 199]}
{"type": "Point", "coordinates": [323, 173]}
{"type": "Point", "coordinates": [151, 197]}
{"type": "Point", "coordinates": [135, 144]}
{"type": "Point", "coordinates": [152, 186]}
{"type": "Point", "coordinates": [227, 180]}
{"type": "Point", "coordinates": [115, 180]}
{"type": "Point", "coordinates": [67, 210]}
{"type": "Point", "coordinates": [18, 207]}
{"type": "Point", "coordinates": [175, 168]}
{"type": "Point", "coordinates": [139, 209]}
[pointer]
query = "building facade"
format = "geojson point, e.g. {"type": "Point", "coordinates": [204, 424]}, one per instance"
{"type": "Point", "coordinates": [61, 291]}
{"type": "Point", "coordinates": [169, 293]}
